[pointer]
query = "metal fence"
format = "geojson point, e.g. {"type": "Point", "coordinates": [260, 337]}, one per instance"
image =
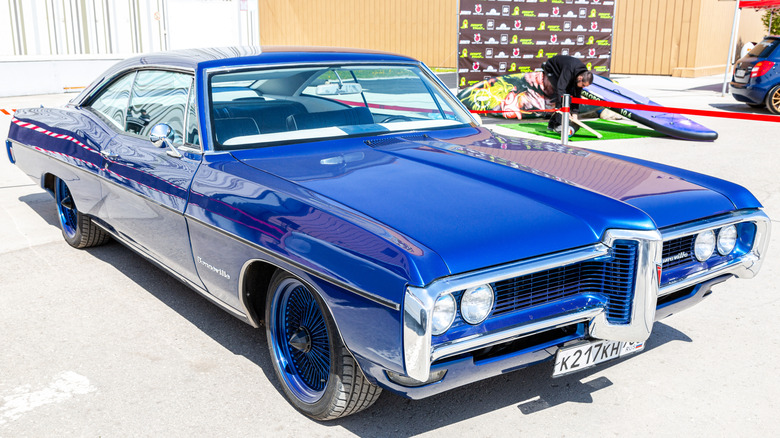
{"type": "Point", "coordinates": [92, 27]}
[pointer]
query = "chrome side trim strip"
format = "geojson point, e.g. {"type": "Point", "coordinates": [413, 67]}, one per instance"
{"type": "Point", "coordinates": [746, 266]}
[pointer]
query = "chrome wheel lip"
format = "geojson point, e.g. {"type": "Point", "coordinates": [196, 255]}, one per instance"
{"type": "Point", "coordinates": [66, 209]}
{"type": "Point", "coordinates": [304, 373]}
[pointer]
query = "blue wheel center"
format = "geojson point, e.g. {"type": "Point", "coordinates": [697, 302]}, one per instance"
{"type": "Point", "coordinates": [301, 340]}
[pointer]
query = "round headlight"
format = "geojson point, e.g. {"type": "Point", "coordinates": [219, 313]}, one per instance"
{"type": "Point", "coordinates": [476, 303]}
{"type": "Point", "coordinates": [704, 245]}
{"type": "Point", "coordinates": [727, 239]}
{"type": "Point", "coordinates": [443, 314]}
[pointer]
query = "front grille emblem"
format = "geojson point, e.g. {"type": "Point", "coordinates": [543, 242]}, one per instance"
{"type": "Point", "coordinates": [679, 256]}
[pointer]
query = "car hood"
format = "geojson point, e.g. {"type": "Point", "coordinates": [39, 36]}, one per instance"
{"type": "Point", "coordinates": [478, 201]}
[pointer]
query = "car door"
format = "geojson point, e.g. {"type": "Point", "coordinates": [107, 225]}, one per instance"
{"type": "Point", "coordinates": [147, 186]}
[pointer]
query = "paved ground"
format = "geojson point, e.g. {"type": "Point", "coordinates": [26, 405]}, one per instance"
{"type": "Point", "coordinates": [101, 343]}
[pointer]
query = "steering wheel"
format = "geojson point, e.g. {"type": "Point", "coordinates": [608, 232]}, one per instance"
{"type": "Point", "coordinates": [396, 117]}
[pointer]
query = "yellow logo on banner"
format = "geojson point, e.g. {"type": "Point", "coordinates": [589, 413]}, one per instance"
{"type": "Point", "coordinates": [513, 67]}
{"type": "Point", "coordinates": [542, 25]}
{"type": "Point", "coordinates": [465, 24]}
{"type": "Point", "coordinates": [540, 54]}
{"type": "Point", "coordinates": [462, 81]}
{"type": "Point", "coordinates": [590, 40]}
{"type": "Point", "coordinates": [592, 13]}
{"type": "Point", "coordinates": [590, 66]}
{"type": "Point", "coordinates": [464, 54]}
{"type": "Point", "coordinates": [514, 40]}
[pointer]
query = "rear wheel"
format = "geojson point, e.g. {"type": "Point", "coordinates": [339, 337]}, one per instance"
{"type": "Point", "coordinates": [77, 229]}
{"type": "Point", "coordinates": [773, 100]}
{"type": "Point", "coordinates": [318, 375]}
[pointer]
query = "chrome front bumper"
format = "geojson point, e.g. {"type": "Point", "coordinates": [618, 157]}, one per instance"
{"type": "Point", "coordinates": [419, 353]}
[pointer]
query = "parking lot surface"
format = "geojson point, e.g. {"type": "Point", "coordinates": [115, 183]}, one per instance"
{"type": "Point", "coordinates": [100, 342]}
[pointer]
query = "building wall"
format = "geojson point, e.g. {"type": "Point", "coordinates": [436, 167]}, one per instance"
{"type": "Point", "coordinates": [424, 29]}
{"type": "Point", "coordinates": [685, 38]}
{"type": "Point", "coordinates": [663, 37]}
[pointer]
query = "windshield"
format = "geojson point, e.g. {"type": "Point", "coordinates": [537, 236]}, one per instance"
{"type": "Point", "coordinates": [263, 107]}
{"type": "Point", "coordinates": [764, 48]}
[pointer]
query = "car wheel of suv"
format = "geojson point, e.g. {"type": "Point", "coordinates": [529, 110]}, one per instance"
{"type": "Point", "coordinates": [77, 229]}
{"type": "Point", "coordinates": [318, 375]}
{"type": "Point", "coordinates": [773, 100]}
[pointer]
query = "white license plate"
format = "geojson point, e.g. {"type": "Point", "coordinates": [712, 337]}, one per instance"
{"type": "Point", "coordinates": [740, 73]}
{"type": "Point", "coordinates": [581, 356]}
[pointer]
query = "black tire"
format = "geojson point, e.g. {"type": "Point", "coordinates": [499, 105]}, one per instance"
{"type": "Point", "coordinates": [77, 228]}
{"type": "Point", "coordinates": [772, 100]}
{"type": "Point", "coordinates": [301, 338]}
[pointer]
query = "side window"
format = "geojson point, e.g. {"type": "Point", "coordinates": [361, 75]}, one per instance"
{"type": "Point", "coordinates": [192, 119]}
{"type": "Point", "coordinates": [158, 97]}
{"type": "Point", "coordinates": [112, 102]}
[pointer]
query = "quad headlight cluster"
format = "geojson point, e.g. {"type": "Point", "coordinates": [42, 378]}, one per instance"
{"type": "Point", "coordinates": [707, 242]}
{"type": "Point", "coordinates": [475, 305]}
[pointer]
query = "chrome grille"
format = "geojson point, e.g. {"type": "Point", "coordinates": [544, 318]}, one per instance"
{"type": "Point", "coordinates": [675, 247]}
{"type": "Point", "coordinates": [613, 277]}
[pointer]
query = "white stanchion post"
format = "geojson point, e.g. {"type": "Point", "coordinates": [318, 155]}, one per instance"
{"type": "Point", "coordinates": [732, 48]}
{"type": "Point", "coordinates": [566, 107]}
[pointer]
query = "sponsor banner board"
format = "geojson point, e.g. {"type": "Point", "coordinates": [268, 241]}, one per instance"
{"type": "Point", "coordinates": [500, 37]}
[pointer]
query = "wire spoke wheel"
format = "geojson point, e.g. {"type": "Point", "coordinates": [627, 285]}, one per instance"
{"type": "Point", "coordinates": [66, 209]}
{"type": "Point", "coordinates": [318, 375]}
{"type": "Point", "coordinates": [303, 341]}
{"type": "Point", "coordinates": [77, 228]}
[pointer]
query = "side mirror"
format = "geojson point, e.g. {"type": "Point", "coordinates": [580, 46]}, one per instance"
{"type": "Point", "coordinates": [161, 136]}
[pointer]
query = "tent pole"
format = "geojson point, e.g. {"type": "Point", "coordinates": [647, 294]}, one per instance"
{"type": "Point", "coordinates": [732, 43]}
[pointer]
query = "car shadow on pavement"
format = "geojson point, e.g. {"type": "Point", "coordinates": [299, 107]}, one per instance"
{"type": "Point", "coordinates": [236, 336]}
{"type": "Point", "coordinates": [531, 389]}
{"type": "Point", "coordinates": [43, 205]}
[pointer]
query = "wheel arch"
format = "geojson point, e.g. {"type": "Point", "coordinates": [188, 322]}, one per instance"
{"type": "Point", "coordinates": [255, 280]}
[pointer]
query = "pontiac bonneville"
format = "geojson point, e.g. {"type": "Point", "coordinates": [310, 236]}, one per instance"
{"type": "Point", "coordinates": [348, 203]}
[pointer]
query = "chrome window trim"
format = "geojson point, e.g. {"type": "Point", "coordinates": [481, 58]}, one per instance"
{"type": "Point", "coordinates": [419, 302]}
{"type": "Point", "coordinates": [746, 266]}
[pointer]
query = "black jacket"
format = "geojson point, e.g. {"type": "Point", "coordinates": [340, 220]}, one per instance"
{"type": "Point", "coordinates": [563, 71]}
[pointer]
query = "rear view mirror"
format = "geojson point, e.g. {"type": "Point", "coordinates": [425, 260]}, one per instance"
{"type": "Point", "coordinates": [332, 89]}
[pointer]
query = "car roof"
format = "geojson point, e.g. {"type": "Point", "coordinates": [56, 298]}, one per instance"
{"type": "Point", "coordinates": [229, 56]}
{"type": "Point", "coordinates": [199, 59]}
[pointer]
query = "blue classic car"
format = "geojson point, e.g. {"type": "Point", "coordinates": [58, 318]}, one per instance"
{"type": "Point", "coordinates": [350, 204]}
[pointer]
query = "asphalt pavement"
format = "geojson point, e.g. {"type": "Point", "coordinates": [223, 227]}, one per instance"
{"type": "Point", "coordinates": [100, 342]}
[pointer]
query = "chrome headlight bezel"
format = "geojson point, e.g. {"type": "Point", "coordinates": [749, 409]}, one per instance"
{"type": "Point", "coordinates": [477, 303]}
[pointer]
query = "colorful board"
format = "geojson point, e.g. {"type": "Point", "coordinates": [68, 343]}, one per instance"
{"type": "Point", "coordinates": [523, 95]}
{"type": "Point", "coordinates": [675, 125]}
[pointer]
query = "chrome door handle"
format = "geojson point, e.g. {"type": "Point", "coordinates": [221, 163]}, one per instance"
{"type": "Point", "coordinates": [108, 155]}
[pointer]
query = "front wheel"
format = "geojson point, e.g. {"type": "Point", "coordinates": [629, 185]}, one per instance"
{"type": "Point", "coordinates": [318, 375]}
{"type": "Point", "coordinates": [77, 228]}
{"type": "Point", "coordinates": [773, 100]}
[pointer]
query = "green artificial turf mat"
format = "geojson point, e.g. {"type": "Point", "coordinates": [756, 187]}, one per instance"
{"type": "Point", "coordinates": [608, 129]}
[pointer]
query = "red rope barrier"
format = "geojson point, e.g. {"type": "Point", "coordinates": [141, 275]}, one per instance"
{"type": "Point", "coordinates": [663, 109]}
{"type": "Point", "coordinates": [515, 111]}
